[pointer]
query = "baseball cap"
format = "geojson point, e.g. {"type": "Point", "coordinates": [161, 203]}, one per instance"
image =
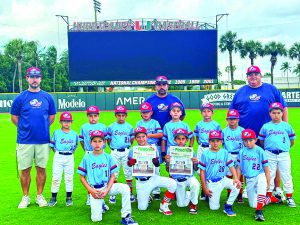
{"type": "Point", "coordinates": [140, 130]}
{"type": "Point", "coordinates": [233, 114]}
{"type": "Point", "coordinates": [161, 80]}
{"type": "Point", "coordinates": [92, 110]}
{"type": "Point", "coordinates": [65, 116]}
{"type": "Point", "coordinates": [176, 104]}
{"type": "Point", "coordinates": [120, 109]}
{"type": "Point", "coordinates": [215, 134]}
{"type": "Point", "coordinates": [97, 133]}
{"type": "Point", "coordinates": [248, 134]}
{"type": "Point", "coordinates": [181, 131]}
{"type": "Point", "coordinates": [145, 107]}
{"type": "Point", "coordinates": [207, 106]}
{"type": "Point", "coordinates": [276, 105]}
{"type": "Point", "coordinates": [253, 69]}
{"type": "Point", "coordinates": [33, 71]}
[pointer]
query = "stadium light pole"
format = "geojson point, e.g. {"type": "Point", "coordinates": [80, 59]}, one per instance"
{"type": "Point", "coordinates": [219, 17]}
{"type": "Point", "coordinates": [97, 8]}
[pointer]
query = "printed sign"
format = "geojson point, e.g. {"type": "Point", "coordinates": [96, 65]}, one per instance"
{"type": "Point", "coordinates": [181, 160]}
{"type": "Point", "coordinates": [143, 156]}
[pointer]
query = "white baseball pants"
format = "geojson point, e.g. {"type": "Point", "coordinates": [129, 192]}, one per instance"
{"type": "Point", "coordinates": [121, 158]}
{"type": "Point", "coordinates": [256, 186]}
{"type": "Point", "coordinates": [183, 197]}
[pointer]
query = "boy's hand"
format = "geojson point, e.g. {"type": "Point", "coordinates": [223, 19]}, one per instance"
{"type": "Point", "coordinates": [103, 193]}
{"type": "Point", "coordinates": [167, 158]}
{"type": "Point", "coordinates": [95, 193]}
{"type": "Point", "coordinates": [131, 162]}
{"type": "Point", "coordinates": [207, 192]}
{"type": "Point", "coordinates": [237, 183]}
{"type": "Point", "coordinates": [155, 161]}
{"type": "Point", "coordinates": [195, 160]}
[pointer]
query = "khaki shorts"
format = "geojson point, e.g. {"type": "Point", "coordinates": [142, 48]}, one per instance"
{"type": "Point", "coordinates": [27, 153]}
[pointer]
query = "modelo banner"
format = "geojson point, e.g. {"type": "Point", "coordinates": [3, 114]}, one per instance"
{"type": "Point", "coordinates": [132, 100]}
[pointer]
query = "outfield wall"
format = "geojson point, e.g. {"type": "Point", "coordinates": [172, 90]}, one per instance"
{"type": "Point", "coordinates": [132, 100]}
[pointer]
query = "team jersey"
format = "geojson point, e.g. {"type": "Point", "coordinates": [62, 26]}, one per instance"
{"type": "Point", "coordinates": [253, 105]}
{"type": "Point", "coordinates": [232, 139]}
{"type": "Point", "coordinates": [64, 142]}
{"type": "Point", "coordinates": [97, 168]}
{"type": "Point", "coordinates": [277, 136]}
{"type": "Point", "coordinates": [214, 163]}
{"type": "Point", "coordinates": [169, 129]}
{"type": "Point", "coordinates": [152, 126]}
{"type": "Point", "coordinates": [33, 110]}
{"type": "Point", "coordinates": [252, 161]}
{"type": "Point", "coordinates": [120, 135]}
{"type": "Point", "coordinates": [203, 128]}
{"type": "Point", "coordinates": [85, 132]}
{"type": "Point", "coordinates": [161, 107]}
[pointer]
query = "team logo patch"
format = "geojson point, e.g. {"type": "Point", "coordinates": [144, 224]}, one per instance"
{"type": "Point", "coordinates": [247, 134]}
{"type": "Point", "coordinates": [66, 116]}
{"type": "Point", "coordinates": [162, 107]}
{"type": "Point", "coordinates": [92, 108]}
{"type": "Point", "coordinates": [35, 103]}
{"type": "Point", "coordinates": [254, 97]}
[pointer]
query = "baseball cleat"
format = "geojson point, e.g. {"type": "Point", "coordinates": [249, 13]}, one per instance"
{"type": "Point", "coordinates": [69, 201]}
{"type": "Point", "coordinates": [112, 199]}
{"type": "Point", "coordinates": [193, 209]}
{"type": "Point", "coordinates": [228, 210]}
{"type": "Point", "coordinates": [105, 208]}
{"type": "Point", "coordinates": [132, 198]}
{"type": "Point", "coordinates": [202, 196]}
{"type": "Point", "coordinates": [150, 199]}
{"type": "Point", "coordinates": [128, 220]}
{"type": "Point", "coordinates": [164, 208]}
{"type": "Point", "coordinates": [40, 200]}
{"type": "Point", "coordinates": [52, 202]}
{"type": "Point", "coordinates": [291, 202]}
{"type": "Point", "coordinates": [279, 194]}
{"type": "Point", "coordinates": [88, 201]}
{"type": "Point", "coordinates": [156, 197]}
{"type": "Point", "coordinates": [25, 202]}
{"type": "Point", "coordinates": [259, 216]}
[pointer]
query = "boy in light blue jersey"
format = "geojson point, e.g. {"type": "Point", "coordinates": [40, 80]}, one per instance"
{"type": "Point", "coordinates": [233, 143]}
{"type": "Point", "coordinates": [154, 134]}
{"type": "Point", "coordinates": [99, 169]}
{"type": "Point", "coordinates": [212, 166]}
{"type": "Point", "coordinates": [120, 137]}
{"type": "Point", "coordinates": [171, 126]}
{"type": "Point", "coordinates": [253, 164]}
{"type": "Point", "coordinates": [184, 197]}
{"type": "Point", "coordinates": [277, 137]}
{"type": "Point", "coordinates": [64, 143]}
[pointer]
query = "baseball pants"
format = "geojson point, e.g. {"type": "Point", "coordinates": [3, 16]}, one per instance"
{"type": "Point", "coordinates": [256, 186]}
{"type": "Point", "coordinates": [217, 188]}
{"type": "Point", "coordinates": [183, 197]}
{"type": "Point", "coordinates": [200, 151]}
{"type": "Point", "coordinates": [121, 158]}
{"type": "Point", "coordinates": [144, 188]}
{"type": "Point", "coordinates": [62, 163]}
{"type": "Point", "coordinates": [283, 162]}
{"type": "Point", "coordinates": [117, 188]}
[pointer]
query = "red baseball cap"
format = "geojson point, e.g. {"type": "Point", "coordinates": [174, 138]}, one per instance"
{"type": "Point", "coordinates": [207, 106]}
{"type": "Point", "coordinates": [215, 134]}
{"type": "Point", "coordinates": [233, 114]}
{"type": "Point", "coordinates": [253, 69]}
{"type": "Point", "coordinates": [97, 133]}
{"type": "Point", "coordinates": [181, 131]}
{"type": "Point", "coordinates": [140, 130]}
{"type": "Point", "coordinates": [146, 107]}
{"type": "Point", "coordinates": [161, 80]}
{"type": "Point", "coordinates": [92, 110]}
{"type": "Point", "coordinates": [120, 109]}
{"type": "Point", "coordinates": [65, 116]}
{"type": "Point", "coordinates": [248, 134]}
{"type": "Point", "coordinates": [276, 105]}
{"type": "Point", "coordinates": [33, 71]}
{"type": "Point", "coordinates": [176, 104]}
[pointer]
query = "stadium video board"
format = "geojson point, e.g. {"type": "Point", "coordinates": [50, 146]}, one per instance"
{"type": "Point", "coordinates": [111, 58]}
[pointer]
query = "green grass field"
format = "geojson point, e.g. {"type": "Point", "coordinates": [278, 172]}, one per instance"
{"type": "Point", "coordinates": [11, 194]}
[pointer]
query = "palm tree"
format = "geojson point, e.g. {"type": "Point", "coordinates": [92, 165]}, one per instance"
{"type": "Point", "coordinates": [274, 49]}
{"type": "Point", "coordinates": [294, 51]}
{"type": "Point", "coordinates": [286, 68]}
{"type": "Point", "coordinates": [251, 49]}
{"type": "Point", "coordinates": [297, 71]}
{"type": "Point", "coordinates": [230, 43]}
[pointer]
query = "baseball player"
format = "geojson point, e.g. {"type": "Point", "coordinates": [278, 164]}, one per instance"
{"type": "Point", "coordinates": [64, 142]}
{"type": "Point", "coordinates": [202, 130]}
{"type": "Point", "coordinates": [171, 126]}
{"type": "Point", "coordinates": [146, 184]}
{"type": "Point", "coordinates": [99, 168]}
{"type": "Point", "coordinates": [277, 137]}
{"type": "Point", "coordinates": [233, 143]}
{"type": "Point", "coordinates": [212, 166]}
{"type": "Point", "coordinates": [93, 114]}
{"type": "Point", "coordinates": [154, 134]}
{"type": "Point", "coordinates": [184, 197]}
{"type": "Point", "coordinates": [120, 137]}
{"type": "Point", "coordinates": [253, 163]}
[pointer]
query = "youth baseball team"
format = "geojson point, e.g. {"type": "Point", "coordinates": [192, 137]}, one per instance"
{"type": "Point", "coordinates": [223, 160]}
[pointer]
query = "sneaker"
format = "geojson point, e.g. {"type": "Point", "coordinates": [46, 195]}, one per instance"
{"type": "Point", "coordinates": [202, 196]}
{"type": "Point", "coordinates": [240, 199]}
{"type": "Point", "coordinates": [69, 201]}
{"type": "Point", "coordinates": [24, 202]}
{"type": "Point", "coordinates": [164, 208]}
{"type": "Point", "coordinates": [291, 202]}
{"type": "Point", "coordinates": [40, 200]}
{"type": "Point", "coordinates": [259, 216]}
{"type": "Point", "coordinates": [279, 195]}
{"type": "Point", "coordinates": [150, 199]}
{"type": "Point", "coordinates": [245, 193]}
{"type": "Point", "coordinates": [112, 199]}
{"type": "Point", "coordinates": [88, 201]}
{"type": "Point", "coordinates": [128, 220]}
{"type": "Point", "coordinates": [228, 210]}
{"type": "Point", "coordinates": [132, 198]}
{"type": "Point", "coordinates": [52, 202]}
{"type": "Point", "coordinates": [156, 197]}
{"type": "Point", "coordinates": [193, 209]}
{"type": "Point", "coordinates": [105, 208]}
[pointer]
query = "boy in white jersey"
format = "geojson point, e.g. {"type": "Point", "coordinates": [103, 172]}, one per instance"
{"type": "Point", "coordinates": [64, 143]}
{"type": "Point", "coordinates": [99, 168]}
{"type": "Point", "coordinates": [277, 137]}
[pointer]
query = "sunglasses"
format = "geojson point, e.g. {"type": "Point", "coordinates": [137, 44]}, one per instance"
{"type": "Point", "coordinates": [33, 76]}
{"type": "Point", "coordinates": [161, 83]}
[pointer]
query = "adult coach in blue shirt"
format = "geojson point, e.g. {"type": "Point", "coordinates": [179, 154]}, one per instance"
{"type": "Point", "coordinates": [33, 111]}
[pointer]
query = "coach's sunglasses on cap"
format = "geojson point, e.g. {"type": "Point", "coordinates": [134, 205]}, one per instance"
{"type": "Point", "coordinates": [159, 83]}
